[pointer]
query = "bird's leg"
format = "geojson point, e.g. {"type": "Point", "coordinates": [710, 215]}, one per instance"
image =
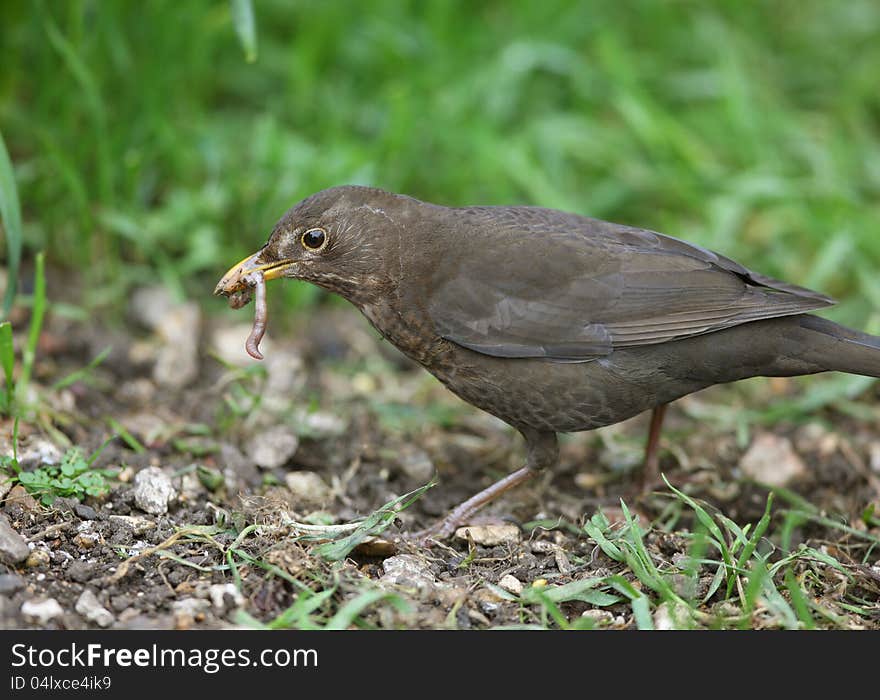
{"type": "Point", "coordinates": [543, 452]}
{"type": "Point", "coordinates": [651, 467]}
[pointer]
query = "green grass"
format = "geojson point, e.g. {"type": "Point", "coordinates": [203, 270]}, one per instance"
{"type": "Point", "coordinates": [754, 580]}
{"type": "Point", "coordinates": [146, 146]}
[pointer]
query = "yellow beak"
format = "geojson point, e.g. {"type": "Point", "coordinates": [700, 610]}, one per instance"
{"type": "Point", "coordinates": [233, 280]}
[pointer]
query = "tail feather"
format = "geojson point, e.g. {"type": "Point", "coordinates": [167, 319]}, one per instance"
{"type": "Point", "coordinates": [839, 348]}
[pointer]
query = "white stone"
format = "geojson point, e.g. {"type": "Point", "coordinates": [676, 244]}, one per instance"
{"type": "Point", "coordinates": [308, 486]}
{"type": "Point", "coordinates": [489, 535]}
{"type": "Point", "coordinates": [408, 570]}
{"type": "Point", "coordinates": [511, 584]}
{"type": "Point", "coordinates": [41, 610]}
{"type": "Point", "coordinates": [153, 490]}
{"type": "Point", "coordinates": [220, 592]}
{"type": "Point", "coordinates": [772, 460]}
{"type": "Point", "coordinates": [91, 609]}
{"type": "Point", "coordinates": [272, 448]}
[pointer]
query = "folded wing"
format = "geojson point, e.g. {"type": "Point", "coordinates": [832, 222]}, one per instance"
{"type": "Point", "coordinates": [572, 289]}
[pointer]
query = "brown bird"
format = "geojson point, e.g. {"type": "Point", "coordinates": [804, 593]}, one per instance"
{"type": "Point", "coordinates": [550, 321]}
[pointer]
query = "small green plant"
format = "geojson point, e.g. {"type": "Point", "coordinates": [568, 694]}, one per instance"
{"type": "Point", "coordinates": [74, 477]}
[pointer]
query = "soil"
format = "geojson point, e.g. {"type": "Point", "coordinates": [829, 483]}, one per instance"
{"type": "Point", "coordinates": [370, 426]}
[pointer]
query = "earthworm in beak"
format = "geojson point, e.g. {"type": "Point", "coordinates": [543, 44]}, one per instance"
{"type": "Point", "coordinates": [258, 283]}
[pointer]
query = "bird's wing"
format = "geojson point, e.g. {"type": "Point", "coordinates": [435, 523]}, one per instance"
{"type": "Point", "coordinates": [571, 289]}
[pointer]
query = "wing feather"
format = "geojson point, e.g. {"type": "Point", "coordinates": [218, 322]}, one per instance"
{"type": "Point", "coordinates": [601, 286]}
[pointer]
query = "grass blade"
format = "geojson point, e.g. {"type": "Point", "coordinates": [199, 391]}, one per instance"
{"type": "Point", "coordinates": [126, 436]}
{"type": "Point", "coordinates": [749, 549]}
{"type": "Point", "coordinates": [799, 600]}
{"type": "Point", "coordinates": [78, 374]}
{"type": "Point", "coordinates": [349, 612]}
{"type": "Point", "coordinates": [10, 213]}
{"type": "Point", "coordinates": [7, 360]}
{"type": "Point", "coordinates": [37, 313]}
{"type": "Point", "coordinates": [372, 525]}
{"type": "Point", "coordinates": [245, 27]}
{"type": "Point", "coordinates": [298, 615]}
{"type": "Point", "coordinates": [639, 602]}
{"type": "Point", "coordinates": [707, 522]}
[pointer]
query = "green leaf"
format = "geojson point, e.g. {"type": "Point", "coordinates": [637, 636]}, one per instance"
{"type": "Point", "coordinates": [641, 608]}
{"type": "Point", "coordinates": [10, 213]}
{"type": "Point", "coordinates": [599, 599]}
{"type": "Point", "coordinates": [211, 479]}
{"type": "Point", "coordinates": [610, 549]}
{"type": "Point", "coordinates": [576, 590]}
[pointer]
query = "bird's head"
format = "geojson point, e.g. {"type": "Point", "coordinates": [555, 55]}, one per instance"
{"type": "Point", "coordinates": [336, 239]}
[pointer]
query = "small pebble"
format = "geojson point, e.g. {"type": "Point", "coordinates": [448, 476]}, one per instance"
{"type": "Point", "coordinates": [511, 584]}
{"type": "Point", "coordinates": [489, 535]}
{"type": "Point", "coordinates": [13, 547]}
{"type": "Point", "coordinates": [272, 448]}
{"type": "Point", "coordinates": [415, 463]}
{"type": "Point", "coordinates": [37, 558]}
{"type": "Point", "coordinates": [10, 583]}
{"type": "Point", "coordinates": [85, 512]}
{"type": "Point", "coordinates": [19, 496]}
{"type": "Point", "coordinates": [598, 616]}
{"type": "Point", "coordinates": [225, 596]}
{"type": "Point", "coordinates": [91, 609]}
{"type": "Point", "coordinates": [308, 486]}
{"type": "Point", "coordinates": [153, 490]}
{"type": "Point", "coordinates": [80, 571]}
{"type": "Point", "coordinates": [409, 571]}
{"type": "Point", "coordinates": [41, 611]}
{"type": "Point", "coordinates": [772, 460]}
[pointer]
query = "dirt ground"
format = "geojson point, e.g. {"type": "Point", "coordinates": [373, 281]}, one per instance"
{"type": "Point", "coordinates": [357, 425]}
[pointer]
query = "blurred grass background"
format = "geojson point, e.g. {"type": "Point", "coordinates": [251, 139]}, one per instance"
{"type": "Point", "coordinates": [147, 147]}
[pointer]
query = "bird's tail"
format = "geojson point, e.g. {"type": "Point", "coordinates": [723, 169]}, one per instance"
{"type": "Point", "coordinates": [837, 348]}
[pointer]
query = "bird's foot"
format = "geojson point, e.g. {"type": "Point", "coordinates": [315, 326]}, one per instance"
{"type": "Point", "coordinates": [463, 513]}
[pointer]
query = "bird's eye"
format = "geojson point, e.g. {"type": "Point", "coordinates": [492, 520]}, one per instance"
{"type": "Point", "coordinates": [314, 239]}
